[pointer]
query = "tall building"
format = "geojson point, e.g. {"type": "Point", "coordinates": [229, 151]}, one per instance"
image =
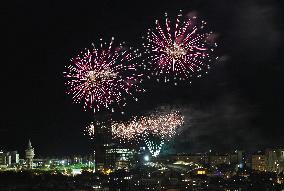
{"type": "Point", "coordinates": [242, 158]}
{"type": "Point", "coordinates": [8, 158]}
{"type": "Point", "coordinates": [272, 160]}
{"type": "Point", "coordinates": [30, 155]}
{"type": "Point", "coordinates": [259, 161]}
{"type": "Point", "coordinates": [118, 157]}
{"type": "Point", "coordinates": [102, 142]}
{"type": "Point", "coordinates": [14, 157]}
{"type": "Point", "coordinates": [275, 160]}
{"type": "Point", "coordinates": [3, 159]}
{"type": "Point", "coordinates": [281, 160]}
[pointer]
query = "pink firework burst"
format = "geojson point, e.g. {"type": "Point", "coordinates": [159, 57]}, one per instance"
{"type": "Point", "coordinates": [178, 50]}
{"type": "Point", "coordinates": [104, 76]}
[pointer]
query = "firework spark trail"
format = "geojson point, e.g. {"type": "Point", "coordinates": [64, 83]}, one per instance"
{"type": "Point", "coordinates": [104, 76]}
{"type": "Point", "coordinates": [90, 130]}
{"type": "Point", "coordinates": [154, 129]}
{"type": "Point", "coordinates": [180, 50]}
{"type": "Point", "coordinates": [163, 125]}
{"type": "Point", "coordinates": [94, 127]}
{"type": "Point", "coordinates": [127, 131]}
{"type": "Point", "coordinates": [154, 146]}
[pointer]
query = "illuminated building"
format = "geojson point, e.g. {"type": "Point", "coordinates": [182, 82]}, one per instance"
{"type": "Point", "coordinates": [14, 157]}
{"type": "Point", "coordinates": [205, 158]}
{"type": "Point", "coordinates": [29, 155]}
{"type": "Point", "coordinates": [241, 158]}
{"type": "Point", "coordinates": [272, 160]}
{"type": "Point", "coordinates": [200, 171]}
{"type": "Point", "coordinates": [215, 160]}
{"type": "Point", "coordinates": [195, 158]}
{"type": "Point", "coordinates": [3, 159]}
{"type": "Point", "coordinates": [281, 160]}
{"type": "Point", "coordinates": [77, 159]}
{"type": "Point", "coordinates": [102, 141]}
{"type": "Point", "coordinates": [118, 158]}
{"type": "Point", "coordinates": [258, 162]}
{"type": "Point", "coordinates": [41, 162]}
{"type": "Point", "coordinates": [8, 158]}
{"type": "Point", "coordinates": [275, 160]}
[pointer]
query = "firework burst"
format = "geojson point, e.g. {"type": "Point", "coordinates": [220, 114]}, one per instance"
{"type": "Point", "coordinates": [178, 50]}
{"type": "Point", "coordinates": [153, 129]}
{"type": "Point", "coordinates": [105, 76]}
{"type": "Point", "coordinates": [154, 145]}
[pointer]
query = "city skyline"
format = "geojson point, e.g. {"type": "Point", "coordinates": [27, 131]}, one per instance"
{"type": "Point", "coordinates": [238, 105]}
{"type": "Point", "coordinates": [140, 169]}
{"type": "Point", "coordinates": [118, 157]}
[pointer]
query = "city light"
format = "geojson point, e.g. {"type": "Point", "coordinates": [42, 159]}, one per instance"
{"type": "Point", "coordinates": [146, 158]}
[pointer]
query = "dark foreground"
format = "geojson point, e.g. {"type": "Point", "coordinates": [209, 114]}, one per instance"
{"type": "Point", "coordinates": [139, 180]}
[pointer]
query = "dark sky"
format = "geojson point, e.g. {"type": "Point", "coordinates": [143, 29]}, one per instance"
{"type": "Point", "coordinates": [238, 105]}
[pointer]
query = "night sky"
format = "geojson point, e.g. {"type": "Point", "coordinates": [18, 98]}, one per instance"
{"type": "Point", "coordinates": [238, 105]}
